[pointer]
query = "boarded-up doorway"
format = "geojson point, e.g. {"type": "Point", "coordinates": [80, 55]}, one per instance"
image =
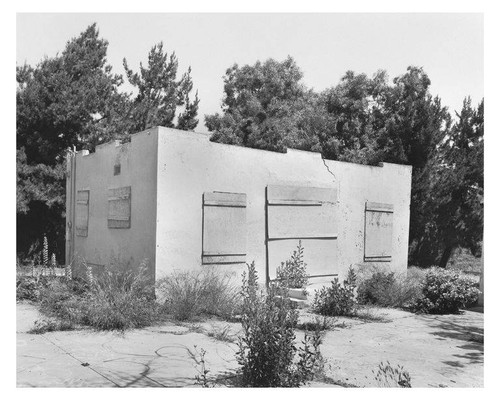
{"type": "Point", "coordinates": [307, 214]}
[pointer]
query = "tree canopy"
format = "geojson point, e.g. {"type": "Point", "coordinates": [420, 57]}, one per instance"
{"type": "Point", "coordinates": [161, 94]}
{"type": "Point", "coordinates": [75, 100]}
{"type": "Point", "coordinates": [364, 120]}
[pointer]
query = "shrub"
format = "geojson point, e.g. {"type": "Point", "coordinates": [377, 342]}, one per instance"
{"type": "Point", "coordinates": [377, 289]}
{"type": "Point", "coordinates": [59, 300]}
{"type": "Point", "coordinates": [122, 310]}
{"type": "Point", "coordinates": [207, 292]}
{"type": "Point", "coordinates": [118, 298]}
{"type": "Point", "coordinates": [337, 299]}
{"type": "Point", "coordinates": [27, 288]}
{"type": "Point", "coordinates": [445, 292]}
{"type": "Point", "coordinates": [387, 289]}
{"type": "Point", "coordinates": [292, 273]}
{"type": "Point", "coordinates": [267, 348]}
{"type": "Point", "coordinates": [32, 287]}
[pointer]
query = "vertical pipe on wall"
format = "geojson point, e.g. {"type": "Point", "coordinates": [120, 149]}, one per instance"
{"type": "Point", "coordinates": [267, 238]}
{"type": "Point", "coordinates": [70, 205]}
{"type": "Point", "coordinates": [68, 202]}
{"type": "Point", "coordinates": [69, 208]}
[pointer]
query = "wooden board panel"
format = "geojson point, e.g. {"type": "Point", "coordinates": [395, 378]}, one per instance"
{"type": "Point", "coordinates": [302, 213]}
{"type": "Point", "coordinates": [82, 213]}
{"type": "Point", "coordinates": [378, 235]}
{"type": "Point", "coordinates": [302, 222]}
{"type": "Point", "coordinates": [225, 199]}
{"type": "Point", "coordinates": [320, 255]}
{"type": "Point", "coordinates": [224, 228]}
{"type": "Point", "coordinates": [382, 207]}
{"type": "Point", "coordinates": [119, 207]}
{"type": "Point", "coordinates": [299, 193]}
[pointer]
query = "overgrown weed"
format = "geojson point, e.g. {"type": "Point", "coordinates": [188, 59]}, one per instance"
{"type": "Point", "coordinates": [206, 292]}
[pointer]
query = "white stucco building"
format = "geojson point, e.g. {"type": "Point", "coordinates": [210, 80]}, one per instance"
{"type": "Point", "coordinates": [181, 202]}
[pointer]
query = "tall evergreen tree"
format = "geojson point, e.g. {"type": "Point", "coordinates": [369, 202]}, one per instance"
{"type": "Point", "coordinates": [65, 101]}
{"type": "Point", "coordinates": [457, 189]}
{"type": "Point", "coordinates": [415, 124]}
{"type": "Point", "coordinates": [160, 94]}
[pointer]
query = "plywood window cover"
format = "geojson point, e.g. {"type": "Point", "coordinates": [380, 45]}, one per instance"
{"type": "Point", "coordinates": [223, 200]}
{"type": "Point", "coordinates": [382, 208]}
{"type": "Point", "coordinates": [379, 207]}
{"type": "Point", "coordinates": [300, 196]}
{"type": "Point", "coordinates": [302, 213]}
{"type": "Point", "coordinates": [119, 217]}
{"type": "Point", "coordinates": [297, 195]}
{"type": "Point", "coordinates": [82, 213]}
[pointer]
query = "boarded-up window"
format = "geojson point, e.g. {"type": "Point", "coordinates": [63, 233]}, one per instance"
{"type": "Point", "coordinates": [82, 213]}
{"type": "Point", "coordinates": [378, 231]}
{"type": "Point", "coordinates": [301, 212]}
{"type": "Point", "coordinates": [224, 228]}
{"type": "Point", "coordinates": [308, 214]}
{"type": "Point", "coordinates": [119, 207]}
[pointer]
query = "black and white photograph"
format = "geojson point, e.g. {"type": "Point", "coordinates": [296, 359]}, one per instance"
{"type": "Point", "coordinates": [249, 200]}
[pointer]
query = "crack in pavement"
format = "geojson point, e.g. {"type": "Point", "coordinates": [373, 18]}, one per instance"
{"type": "Point", "coordinates": [80, 361]}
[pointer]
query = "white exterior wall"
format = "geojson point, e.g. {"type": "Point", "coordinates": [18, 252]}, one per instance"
{"type": "Point", "coordinates": [189, 165]}
{"type": "Point", "coordinates": [169, 170]}
{"type": "Point", "coordinates": [95, 172]}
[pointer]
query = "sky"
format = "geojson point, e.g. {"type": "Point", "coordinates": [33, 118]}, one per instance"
{"type": "Point", "coordinates": [449, 46]}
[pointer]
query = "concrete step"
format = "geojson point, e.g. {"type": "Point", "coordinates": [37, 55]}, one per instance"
{"type": "Point", "coordinates": [299, 303]}
{"type": "Point", "coordinates": [299, 294]}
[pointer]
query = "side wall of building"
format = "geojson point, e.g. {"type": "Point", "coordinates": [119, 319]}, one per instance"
{"type": "Point", "coordinates": [96, 173]}
{"type": "Point", "coordinates": [189, 165]}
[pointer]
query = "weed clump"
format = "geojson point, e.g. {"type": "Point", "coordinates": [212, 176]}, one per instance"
{"type": "Point", "coordinates": [191, 294]}
{"type": "Point", "coordinates": [389, 376]}
{"type": "Point", "coordinates": [45, 325]}
{"type": "Point", "coordinates": [387, 289]}
{"type": "Point", "coordinates": [117, 298]}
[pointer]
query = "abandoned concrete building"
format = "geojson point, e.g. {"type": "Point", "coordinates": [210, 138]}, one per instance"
{"type": "Point", "coordinates": [181, 202]}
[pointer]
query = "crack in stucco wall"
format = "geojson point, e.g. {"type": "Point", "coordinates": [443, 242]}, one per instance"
{"type": "Point", "coordinates": [332, 174]}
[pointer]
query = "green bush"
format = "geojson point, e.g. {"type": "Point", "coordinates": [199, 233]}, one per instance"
{"type": "Point", "coordinates": [27, 288]}
{"type": "Point", "coordinates": [445, 292]}
{"type": "Point", "coordinates": [31, 287]}
{"type": "Point", "coordinates": [292, 273]}
{"type": "Point", "coordinates": [387, 289]}
{"type": "Point", "coordinates": [58, 300]}
{"type": "Point", "coordinates": [118, 298]}
{"type": "Point", "coordinates": [267, 348]}
{"type": "Point", "coordinates": [118, 311]}
{"type": "Point", "coordinates": [187, 295]}
{"type": "Point", "coordinates": [377, 289]}
{"type": "Point", "coordinates": [337, 299]}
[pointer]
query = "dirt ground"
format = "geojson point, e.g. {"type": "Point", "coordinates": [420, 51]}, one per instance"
{"type": "Point", "coordinates": [437, 351]}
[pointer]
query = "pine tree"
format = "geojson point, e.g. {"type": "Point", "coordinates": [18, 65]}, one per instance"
{"type": "Point", "coordinates": [160, 94]}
